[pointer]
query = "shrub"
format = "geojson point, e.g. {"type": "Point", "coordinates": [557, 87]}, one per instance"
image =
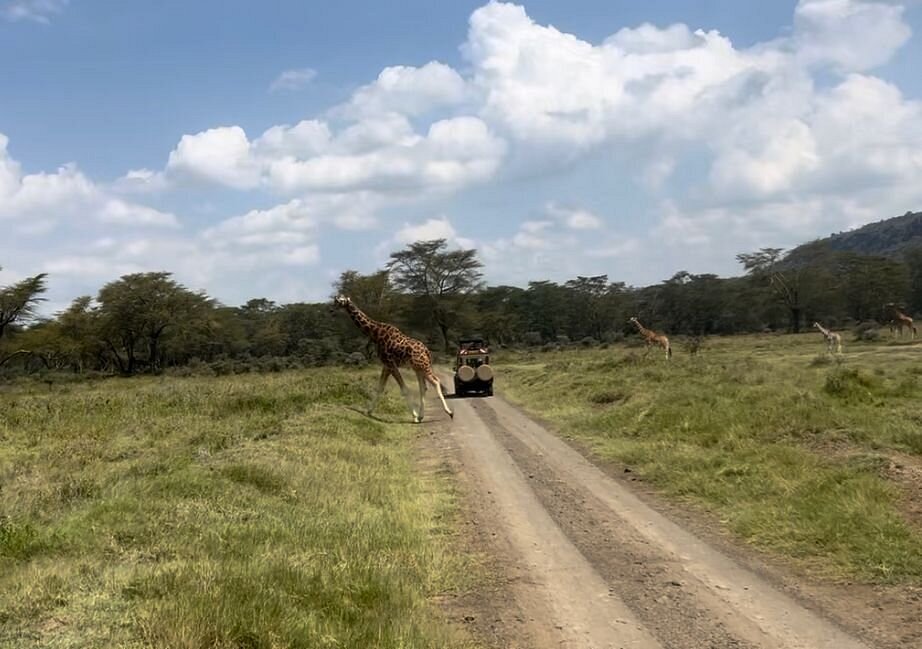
{"type": "Point", "coordinates": [867, 332]}
{"type": "Point", "coordinates": [356, 359]}
{"type": "Point", "coordinates": [532, 338]}
{"type": "Point", "coordinates": [605, 397]}
{"type": "Point", "coordinates": [850, 383]}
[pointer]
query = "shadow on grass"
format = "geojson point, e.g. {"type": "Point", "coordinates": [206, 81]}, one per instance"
{"type": "Point", "coordinates": [365, 413]}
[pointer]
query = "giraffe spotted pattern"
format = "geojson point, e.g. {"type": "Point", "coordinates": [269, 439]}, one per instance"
{"type": "Point", "coordinates": [396, 350]}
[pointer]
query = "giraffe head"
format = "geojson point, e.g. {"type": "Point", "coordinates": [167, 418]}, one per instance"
{"type": "Point", "coordinates": [633, 319]}
{"type": "Point", "coordinates": [816, 324]}
{"type": "Point", "coordinates": [342, 300]}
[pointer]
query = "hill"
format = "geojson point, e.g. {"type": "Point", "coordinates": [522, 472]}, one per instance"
{"type": "Point", "coordinates": [887, 238]}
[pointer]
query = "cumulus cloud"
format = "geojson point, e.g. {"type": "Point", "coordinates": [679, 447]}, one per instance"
{"type": "Point", "coordinates": [33, 202]}
{"type": "Point", "coordinates": [39, 11]}
{"type": "Point", "coordinates": [853, 35]}
{"type": "Point", "coordinates": [294, 79]}
{"type": "Point", "coordinates": [408, 91]}
{"type": "Point", "coordinates": [428, 230]}
{"type": "Point", "coordinates": [221, 155]}
{"type": "Point", "coordinates": [383, 154]}
{"type": "Point", "coordinates": [574, 218]}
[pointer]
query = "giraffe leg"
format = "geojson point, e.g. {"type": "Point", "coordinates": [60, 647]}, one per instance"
{"type": "Point", "coordinates": [421, 379]}
{"type": "Point", "coordinates": [434, 380]}
{"type": "Point", "coordinates": [385, 372]}
{"type": "Point", "coordinates": [406, 394]}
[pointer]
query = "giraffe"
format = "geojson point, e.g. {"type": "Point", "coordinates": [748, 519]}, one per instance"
{"type": "Point", "coordinates": [395, 349]}
{"type": "Point", "coordinates": [833, 340]}
{"type": "Point", "coordinates": [653, 338]}
{"type": "Point", "coordinates": [900, 321]}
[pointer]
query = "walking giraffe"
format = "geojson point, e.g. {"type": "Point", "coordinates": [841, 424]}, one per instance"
{"type": "Point", "coordinates": [653, 338]}
{"type": "Point", "coordinates": [833, 340]}
{"type": "Point", "coordinates": [396, 349]}
{"type": "Point", "coordinates": [900, 321]}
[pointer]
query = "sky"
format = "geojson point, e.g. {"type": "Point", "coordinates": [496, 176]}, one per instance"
{"type": "Point", "coordinates": [259, 149]}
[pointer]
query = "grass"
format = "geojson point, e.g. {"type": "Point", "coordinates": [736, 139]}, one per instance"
{"type": "Point", "coordinates": [787, 446]}
{"type": "Point", "coordinates": [245, 512]}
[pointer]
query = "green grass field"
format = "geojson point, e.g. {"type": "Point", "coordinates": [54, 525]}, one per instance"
{"type": "Point", "coordinates": [789, 447]}
{"type": "Point", "coordinates": [250, 511]}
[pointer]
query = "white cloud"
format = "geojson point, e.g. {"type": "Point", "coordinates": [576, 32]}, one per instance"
{"type": "Point", "coordinates": [35, 202]}
{"type": "Point", "coordinates": [574, 218]}
{"type": "Point", "coordinates": [853, 35]}
{"type": "Point", "coordinates": [544, 86]}
{"type": "Point", "coordinates": [114, 210]}
{"type": "Point", "coordinates": [220, 155]}
{"type": "Point", "coordinates": [140, 181]}
{"type": "Point", "coordinates": [383, 154]}
{"type": "Point", "coordinates": [305, 139]}
{"type": "Point", "coordinates": [39, 11]}
{"type": "Point", "coordinates": [430, 229]}
{"type": "Point", "coordinates": [294, 79]}
{"type": "Point", "coordinates": [408, 91]}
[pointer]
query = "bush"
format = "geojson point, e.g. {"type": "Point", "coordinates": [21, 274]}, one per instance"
{"type": "Point", "coordinates": [589, 341]}
{"type": "Point", "coordinates": [532, 338]}
{"type": "Point", "coordinates": [850, 383]}
{"type": "Point", "coordinates": [605, 398]}
{"type": "Point", "coordinates": [867, 332]}
{"type": "Point", "coordinates": [356, 359]}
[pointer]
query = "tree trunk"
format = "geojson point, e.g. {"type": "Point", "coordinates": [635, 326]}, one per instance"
{"type": "Point", "coordinates": [444, 329]}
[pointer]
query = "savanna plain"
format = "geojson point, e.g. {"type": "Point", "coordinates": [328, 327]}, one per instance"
{"type": "Point", "coordinates": [269, 511]}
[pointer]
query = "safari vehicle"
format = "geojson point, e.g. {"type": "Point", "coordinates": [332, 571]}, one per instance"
{"type": "Point", "coordinates": [473, 374]}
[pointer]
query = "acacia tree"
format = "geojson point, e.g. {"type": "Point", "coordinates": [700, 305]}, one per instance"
{"type": "Point", "coordinates": [786, 284]}
{"type": "Point", "coordinates": [137, 310]}
{"type": "Point", "coordinates": [438, 279]}
{"type": "Point", "coordinates": [17, 305]}
{"type": "Point", "coordinates": [18, 301]}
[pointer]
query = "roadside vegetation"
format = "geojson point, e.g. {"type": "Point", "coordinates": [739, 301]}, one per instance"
{"type": "Point", "coordinates": [793, 450]}
{"type": "Point", "coordinates": [245, 511]}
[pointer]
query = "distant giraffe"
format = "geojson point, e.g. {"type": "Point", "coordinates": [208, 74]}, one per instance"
{"type": "Point", "coordinates": [900, 321]}
{"type": "Point", "coordinates": [833, 340]}
{"type": "Point", "coordinates": [396, 349]}
{"type": "Point", "coordinates": [653, 338]}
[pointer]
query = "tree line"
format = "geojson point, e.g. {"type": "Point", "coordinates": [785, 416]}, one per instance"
{"type": "Point", "coordinates": [149, 322]}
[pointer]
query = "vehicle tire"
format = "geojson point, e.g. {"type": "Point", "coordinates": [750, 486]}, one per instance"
{"type": "Point", "coordinates": [489, 391]}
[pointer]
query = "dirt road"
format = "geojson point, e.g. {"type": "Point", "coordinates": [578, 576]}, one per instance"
{"type": "Point", "coordinates": [586, 563]}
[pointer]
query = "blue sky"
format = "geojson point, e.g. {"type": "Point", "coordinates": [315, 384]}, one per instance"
{"type": "Point", "coordinates": [259, 149]}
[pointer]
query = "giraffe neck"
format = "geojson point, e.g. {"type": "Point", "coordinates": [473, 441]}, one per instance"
{"type": "Point", "coordinates": [823, 331]}
{"type": "Point", "coordinates": [368, 326]}
{"type": "Point", "coordinates": [646, 333]}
